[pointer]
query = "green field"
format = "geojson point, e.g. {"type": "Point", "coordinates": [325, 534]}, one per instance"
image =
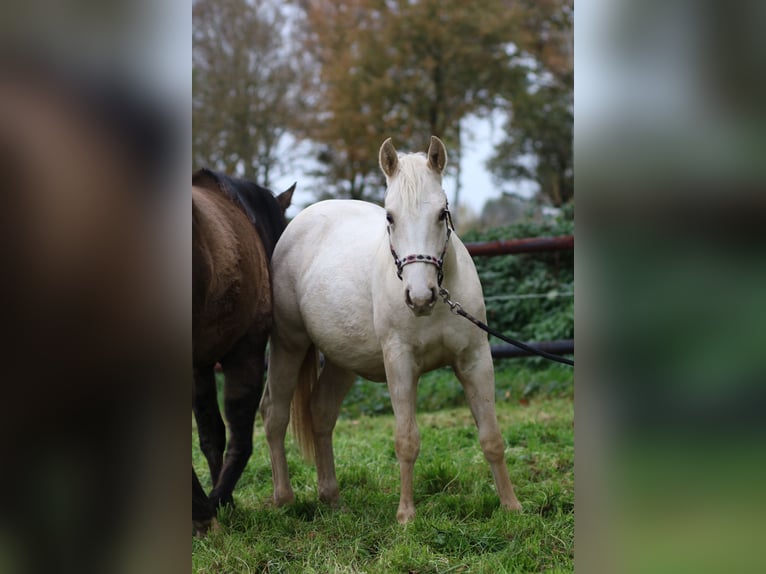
{"type": "Point", "coordinates": [459, 527]}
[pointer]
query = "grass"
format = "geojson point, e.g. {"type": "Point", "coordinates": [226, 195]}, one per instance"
{"type": "Point", "coordinates": [459, 527]}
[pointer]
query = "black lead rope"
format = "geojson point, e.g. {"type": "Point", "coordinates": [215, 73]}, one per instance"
{"type": "Point", "coordinates": [458, 310]}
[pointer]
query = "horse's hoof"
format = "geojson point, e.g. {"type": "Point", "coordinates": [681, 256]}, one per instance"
{"type": "Point", "coordinates": [283, 499]}
{"type": "Point", "coordinates": [221, 501]}
{"type": "Point", "coordinates": [332, 500]}
{"type": "Point", "coordinates": [201, 527]}
{"type": "Point", "coordinates": [513, 506]}
{"type": "Point", "coordinates": [405, 516]}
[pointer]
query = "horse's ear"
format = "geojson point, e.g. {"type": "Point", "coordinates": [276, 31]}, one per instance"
{"type": "Point", "coordinates": [389, 160]}
{"type": "Point", "coordinates": [286, 197]}
{"type": "Point", "coordinates": [437, 155]}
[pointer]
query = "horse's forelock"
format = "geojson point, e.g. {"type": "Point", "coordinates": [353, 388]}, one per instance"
{"type": "Point", "coordinates": [413, 181]}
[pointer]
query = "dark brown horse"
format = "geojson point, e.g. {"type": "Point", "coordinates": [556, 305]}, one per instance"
{"type": "Point", "coordinates": [235, 226]}
{"type": "Point", "coordinates": [94, 330]}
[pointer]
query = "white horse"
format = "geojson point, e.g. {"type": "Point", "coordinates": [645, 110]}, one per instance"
{"type": "Point", "coordinates": [341, 287]}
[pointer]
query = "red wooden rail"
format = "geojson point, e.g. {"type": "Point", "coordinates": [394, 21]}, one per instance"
{"type": "Point", "coordinates": [527, 245]}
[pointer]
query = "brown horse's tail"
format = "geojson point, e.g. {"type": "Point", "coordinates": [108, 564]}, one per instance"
{"type": "Point", "coordinates": [300, 409]}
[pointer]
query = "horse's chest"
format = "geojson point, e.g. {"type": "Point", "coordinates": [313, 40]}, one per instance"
{"type": "Point", "coordinates": [429, 350]}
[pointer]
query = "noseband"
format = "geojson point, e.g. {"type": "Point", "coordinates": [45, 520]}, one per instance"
{"type": "Point", "coordinates": [437, 262]}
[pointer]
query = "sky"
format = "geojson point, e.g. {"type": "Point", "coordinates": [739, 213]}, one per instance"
{"type": "Point", "coordinates": [480, 136]}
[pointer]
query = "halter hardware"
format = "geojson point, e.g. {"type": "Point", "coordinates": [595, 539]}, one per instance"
{"type": "Point", "coordinates": [437, 262]}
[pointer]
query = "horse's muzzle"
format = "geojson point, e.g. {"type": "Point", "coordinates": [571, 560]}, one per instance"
{"type": "Point", "coordinates": [421, 304]}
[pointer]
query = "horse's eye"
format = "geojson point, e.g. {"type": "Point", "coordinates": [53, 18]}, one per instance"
{"type": "Point", "coordinates": [443, 215]}
{"type": "Point", "coordinates": [390, 218]}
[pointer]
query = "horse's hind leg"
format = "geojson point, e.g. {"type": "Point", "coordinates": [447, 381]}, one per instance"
{"type": "Point", "coordinates": [243, 368]}
{"type": "Point", "coordinates": [477, 377]}
{"type": "Point", "coordinates": [210, 426]}
{"type": "Point", "coordinates": [332, 386]}
{"type": "Point", "coordinates": [203, 513]}
{"type": "Point", "coordinates": [285, 363]}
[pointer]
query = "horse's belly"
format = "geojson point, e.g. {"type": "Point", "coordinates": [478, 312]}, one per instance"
{"type": "Point", "coordinates": [346, 338]}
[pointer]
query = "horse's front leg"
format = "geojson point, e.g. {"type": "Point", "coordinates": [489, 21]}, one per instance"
{"type": "Point", "coordinates": [402, 382]}
{"type": "Point", "coordinates": [477, 376]}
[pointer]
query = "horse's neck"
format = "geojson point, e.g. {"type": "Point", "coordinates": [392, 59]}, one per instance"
{"type": "Point", "coordinates": [268, 233]}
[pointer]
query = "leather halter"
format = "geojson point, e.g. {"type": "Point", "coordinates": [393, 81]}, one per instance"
{"type": "Point", "coordinates": [437, 262]}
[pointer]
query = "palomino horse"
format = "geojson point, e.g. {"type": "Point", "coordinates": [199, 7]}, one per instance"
{"type": "Point", "coordinates": [235, 226]}
{"type": "Point", "coordinates": [359, 283]}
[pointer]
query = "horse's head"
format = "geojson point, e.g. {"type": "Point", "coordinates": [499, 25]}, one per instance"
{"type": "Point", "coordinates": [418, 220]}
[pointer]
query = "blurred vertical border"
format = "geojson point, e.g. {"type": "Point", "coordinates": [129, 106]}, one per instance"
{"type": "Point", "coordinates": [670, 156]}
{"type": "Point", "coordinates": [95, 110]}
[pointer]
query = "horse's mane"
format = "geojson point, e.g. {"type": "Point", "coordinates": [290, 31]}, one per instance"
{"type": "Point", "coordinates": [412, 173]}
{"type": "Point", "coordinates": [258, 203]}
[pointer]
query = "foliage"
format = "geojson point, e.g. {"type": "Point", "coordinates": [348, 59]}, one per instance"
{"type": "Point", "coordinates": [515, 380]}
{"type": "Point", "coordinates": [343, 75]}
{"type": "Point", "coordinates": [246, 86]}
{"type": "Point", "coordinates": [539, 127]}
{"type": "Point", "coordinates": [459, 526]}
{"type": "Point", "coordinates": [507, 279]}
{"type": "Point", "coordinates": [538, 143]}
{"type": "Point", "coordinates": [399, 68]}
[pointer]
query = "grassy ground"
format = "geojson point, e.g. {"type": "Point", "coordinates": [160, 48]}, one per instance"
{"type": "Point", "coordinates": [459, 527]}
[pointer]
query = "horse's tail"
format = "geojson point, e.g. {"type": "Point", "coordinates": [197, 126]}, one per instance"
{"type": "Point", "coordinates": [300, 409]}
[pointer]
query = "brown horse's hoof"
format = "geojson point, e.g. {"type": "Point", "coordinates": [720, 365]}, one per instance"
{"type": "Point", "coordinates": [201, 527]}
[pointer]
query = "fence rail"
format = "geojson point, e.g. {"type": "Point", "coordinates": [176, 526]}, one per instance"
{"type": "Point", "coordinates": [526, 245]}
{"type": "Point", "coordinates": [558, 347]}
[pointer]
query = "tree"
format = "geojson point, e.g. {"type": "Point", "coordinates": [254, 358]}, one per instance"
{"type": "Point", "coordinates": [508, 209]}
{"type": "Point", "coordinates": [400, 68]}
{"type": "Point", "coordinates": [246, 86]}
{"type": "Point", "coordinates": [539, 127]}
{"type": "Point", "coordinates": [538, 145]}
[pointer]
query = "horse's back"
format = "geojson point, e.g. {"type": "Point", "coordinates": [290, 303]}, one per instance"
{"type": "Point", "coordinates": [344, 225]}
{"type": "Point", "coordinates": [322, 275]}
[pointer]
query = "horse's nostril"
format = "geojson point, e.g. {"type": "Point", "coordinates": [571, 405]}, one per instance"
{"type": "Point", "coordinates": [424, 301]}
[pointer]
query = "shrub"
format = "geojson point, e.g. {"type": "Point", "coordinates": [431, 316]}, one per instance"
{"type": "Point", "coordinates": [547, 279]}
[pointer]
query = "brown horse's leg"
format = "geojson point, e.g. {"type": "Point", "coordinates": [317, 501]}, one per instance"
{"type": "Point", "coordinates": [203, 513]}
{"type": "Point", "coordinates": [243, 368]}
{"type": "Point", "coordinates": [212, 431]}
{"type": "Point", "coordinates": [478, 379]}
{"type": "Point", "coordinates": [332, 386]}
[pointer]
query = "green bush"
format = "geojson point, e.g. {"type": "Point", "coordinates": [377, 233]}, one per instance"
{"type": "Point", "coordinates": [515, 379]}
{"type": "Point", "coordinates": [505, 278]}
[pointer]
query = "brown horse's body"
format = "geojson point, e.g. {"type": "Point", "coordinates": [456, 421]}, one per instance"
{"type": "Point", "coordinates": [230, 277]}
{"type": "Point", "coordinates": [94, 333]}
{"type": "Point", "coordinates": [235, 225]}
